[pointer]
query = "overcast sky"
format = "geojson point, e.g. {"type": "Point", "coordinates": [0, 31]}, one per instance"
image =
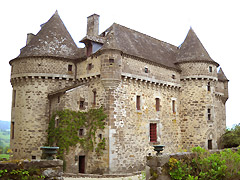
{"type": "Point", "coordinates": [216, 23]}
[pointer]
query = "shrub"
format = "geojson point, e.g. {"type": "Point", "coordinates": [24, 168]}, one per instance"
{"type": "Point", "coordinates": [231, 138]}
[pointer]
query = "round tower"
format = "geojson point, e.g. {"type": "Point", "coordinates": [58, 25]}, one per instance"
{"type": "Point", "coordinates": [45, 64]}
{"type": "Point", "coordinates": [198, 110]}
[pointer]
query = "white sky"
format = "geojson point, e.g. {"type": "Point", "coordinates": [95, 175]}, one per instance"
{"type": "Point", "coordinates": [216, 23]}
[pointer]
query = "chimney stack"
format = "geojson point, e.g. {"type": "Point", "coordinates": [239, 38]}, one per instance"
{"type": "Point", "coordinates": [93, 25]}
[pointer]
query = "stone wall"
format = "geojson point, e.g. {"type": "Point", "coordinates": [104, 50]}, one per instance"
{"type": "Point", "coordinates": [51, 169]}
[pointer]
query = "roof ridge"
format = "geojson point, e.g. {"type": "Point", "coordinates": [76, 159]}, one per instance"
{"type": "Point", "coordinates": [145, 34]}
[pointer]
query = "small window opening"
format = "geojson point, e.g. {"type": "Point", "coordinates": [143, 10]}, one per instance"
{"type": "Point", "coordinates": [146, 70]}
{"type": "Point", "coordinates": [209, 86]}
{"type": "Point", "coordinates": [33, 157]}
{"type": "Point", "coordinates": [100, 136]}
{"type": "Point", "coordinates": [173, 106]}
{"type": "Point", "coordinates": [70, 67]}
{"type": "Point", "coordinates": [89, 66]}
{"type": "Point", "coordinates": [12, 128]}
{"type": "Point", "coordinates": [157, 104]}
{"type": "Point", "coordinates": [153, 132]}
{"type": "Point", "coordinates": [58, 99]}
{"type": "Point", "coordinates": [210, 68]}
{"type": "Point", "coordinates": [111, 61]}
{"type": "Point", "coordinates": [81, 132]}
{"type": "Point", "coordinates": [173, 76]}
{"type": "Point", "coordinates": [210, 144]}
{"type": "Point", "coordinates": [138, 101]}
{"type": "Point", "coordinates": [14, 98]}
{"type": "Point", "coordinates": [94, 97]}
{"type": "Point", "coordinates": [81, 106]}
{"type": "Point", "coordinates": [209, 114]}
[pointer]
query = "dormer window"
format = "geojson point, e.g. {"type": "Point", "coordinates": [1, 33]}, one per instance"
{"type": "Point", "coordinates": [89, 49]}
{"type": "Point", "coordinates": [210, 69]}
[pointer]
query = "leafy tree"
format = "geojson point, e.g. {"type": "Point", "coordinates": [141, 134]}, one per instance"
{"type": "Point", "coordinates": [231, 138]}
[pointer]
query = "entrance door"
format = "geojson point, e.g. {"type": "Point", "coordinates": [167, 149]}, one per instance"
{"type": "Point", "coordinates": [209, 144]}
{"type": "Point", "coordinates": [81, 164]}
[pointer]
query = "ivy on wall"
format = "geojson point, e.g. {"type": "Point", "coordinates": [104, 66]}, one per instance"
{"type": "Point", "coordinates": [64, 126]}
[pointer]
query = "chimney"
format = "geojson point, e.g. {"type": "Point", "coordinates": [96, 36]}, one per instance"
{"type": "Point", "coordinates": [93, 25]}
{"type": "Point", "coordinates": [29, 37]}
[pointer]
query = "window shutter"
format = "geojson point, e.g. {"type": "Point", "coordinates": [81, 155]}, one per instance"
{"type": "Point", "coordinates": [153, 132]}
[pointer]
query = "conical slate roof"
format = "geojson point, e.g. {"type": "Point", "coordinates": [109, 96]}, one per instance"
{"type": "Point", "coordinates": [192, 50]}
{"type": "Point", "coordinates": [140, 45]}
{"type": "Point", "coordinates": [52, 40]}
{"type": "Point", "coordinates": [221, 75]}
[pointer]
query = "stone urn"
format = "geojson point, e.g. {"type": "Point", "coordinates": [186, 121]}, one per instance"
{"type": "Point", "coordinates": [158, 148]}
{"type": "Point", "coordinates": [49, 152]}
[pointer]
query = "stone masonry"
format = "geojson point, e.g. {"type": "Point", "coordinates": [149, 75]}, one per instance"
{"type": "Point", "coordinates": [152, 92]}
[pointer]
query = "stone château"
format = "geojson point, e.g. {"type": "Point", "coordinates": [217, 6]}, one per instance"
{"type": "Point", "coordinates": [152, 92]}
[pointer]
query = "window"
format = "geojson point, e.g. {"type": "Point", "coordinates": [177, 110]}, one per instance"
{"type": "Point", "coordinates": [81, 105]}
{"type": "Point", "coordinates": [33, 157]}
{"type": "Point", "coordinates": [210, 69]}
{"type": "Point", "coordinates": [90, 66]}
{"type": "Point", "coordinates": [210, 144]}
{"type": "Point", "coordinates": [209, 114]}
{"type": "Point", "coordinates": [14, 98]}
{"type": "Point", "coordinates": [100, 136]}
{"type": "Point", "coordinates": [12, 128]}
{"type": "Point", "coordinates": [70, 68]}
{"type": "Point", "coordinates": [173, 76]}
{"type": "Point", "coordinates": [94, 97]}
{"type": "Point", "coordinates": [111, 61]}
{"type": "Point", "coordinates": [157, 104]}
{"type": "Point", "coordinates": [153, 132]}
{"type": "Point", "coordinates": [138, 101]}
{"type": "Point", "coordinates": [81, 132]}
{"type": "Point", "coordinates": [209, 86]}
{"type": "Point", "coordinates": [173, 106]}
{"type": "Point", "coordinates": [58, 99]}
{"type": "Point", "coordinates": [146, 70]}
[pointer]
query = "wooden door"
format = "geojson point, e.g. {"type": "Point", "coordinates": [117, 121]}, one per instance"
{"type": "Point", "coordinates": [81, 164]}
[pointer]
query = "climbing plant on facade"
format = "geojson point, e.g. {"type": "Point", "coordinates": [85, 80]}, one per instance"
{"type": "Point", "coordinates": [64, 126]}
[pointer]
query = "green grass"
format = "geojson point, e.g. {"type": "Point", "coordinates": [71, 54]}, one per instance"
{"type": "Point", "coordinates": [4, 156]}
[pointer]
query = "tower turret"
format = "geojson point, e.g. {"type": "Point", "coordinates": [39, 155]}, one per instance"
{"type": "Point", "coordinates": [45, 64]}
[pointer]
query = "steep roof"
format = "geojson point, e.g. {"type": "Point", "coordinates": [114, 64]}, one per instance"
{"type": "Point", "coordinates": [221, 75]}
{"type": "Point", "coordinates": [140, 45]}
{"type": "Point", "coordinates": [193, 50]}
{"type": "Point", "coordinates": [52, 40]}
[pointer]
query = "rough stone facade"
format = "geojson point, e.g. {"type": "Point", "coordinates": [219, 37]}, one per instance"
{"type": "Point", "coordinates": [177, 90]}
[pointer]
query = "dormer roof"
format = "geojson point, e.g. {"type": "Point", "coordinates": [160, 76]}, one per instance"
{"type": "Point", "coordinates": [221, 75]}
{"type": "Point", "coordinates": [193, 50]}
{"type": "Point", "coordinates": [52, 40]}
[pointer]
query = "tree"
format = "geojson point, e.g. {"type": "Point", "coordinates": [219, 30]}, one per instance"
{"type": "Point", "coordinates": [231, 138]}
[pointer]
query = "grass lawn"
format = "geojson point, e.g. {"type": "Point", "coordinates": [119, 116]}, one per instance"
{"type": "Point", "coordinates": [4, 156]}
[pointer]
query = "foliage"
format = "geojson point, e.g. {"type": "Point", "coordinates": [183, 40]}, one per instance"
{"type": "Point", "coordinates": [204, 165]}
{"type": "Point", "coordinates": [63, 130]}
{"type": "Point", "coordinates": [21, 174]}
{"type": "Point", "coordinates": [231, 138]}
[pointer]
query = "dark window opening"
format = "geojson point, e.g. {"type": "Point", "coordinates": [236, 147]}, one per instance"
{"type": "Point", "coordinates": [58, 99]}
{"type": "Point", "coordinates": [174, 106]}
{"type": "Point", "coordinates": [34, 157]}
{"type": "Point", "coordinates": [81, 132]}
{"type": "Point", "coordinates": [69, 67]}
{"type": "Point", "coordinates": [209, 86]}
{"type": "Point", "coordinates": [89, 49]}
{"type": "Point", "coordinates": [14, 98]}
{"type": "Point", "coordinates": [111, 61]}
{"type": "Point", "coordinates": [153, 132]}
{"type": "Point", "coordinates": [157, 104]}
{"type": "Point", "coordinates": [12, 128]}
{"type": "Point", "coordinates": [56, 122]}
{"type": "Point", "coordinates": [209, 114]}
{"type": "Point", "coordinates": [173, 76]}
{"type": "Point", "coordinates": [81, 106]}
{"type": "Point", "coordinates": [138, 103]}
{"type": "Point", "coordinates": [89, 66]}
{"type": "Point", "coordinates": [100, 136]}
{"type": "Point", "coordinates": [209, 144]}
{"type": "Point", "coordinates": [81, 164]}
{"type": "Point", "coordinates": [210, 68]}
{"type": "Point", "coordinates": [146, 70]}
{"type": "Point", "coordinates": [94, 97]}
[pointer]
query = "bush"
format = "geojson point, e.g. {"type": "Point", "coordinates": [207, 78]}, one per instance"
{"type": "Point", "coordinates": [216, 166]}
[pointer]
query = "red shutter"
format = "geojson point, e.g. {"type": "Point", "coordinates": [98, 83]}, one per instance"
{"type": "Point", "coordinates": [138, 102]}
{"type": "Point", "coordinates": [157, 104]}
{"type": "Point", "coordinates": [153, 132]}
